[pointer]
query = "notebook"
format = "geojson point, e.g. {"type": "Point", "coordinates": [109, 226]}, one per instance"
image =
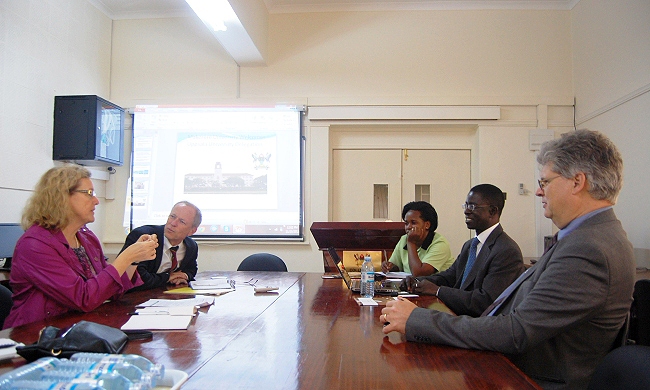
{"type": "Point", "coordinates": [381, 288]}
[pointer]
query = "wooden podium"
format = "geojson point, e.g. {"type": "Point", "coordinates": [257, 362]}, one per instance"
{"type": "Point", "coordinates": [343, 236]}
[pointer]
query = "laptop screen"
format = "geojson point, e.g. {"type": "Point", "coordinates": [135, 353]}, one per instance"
{"type": "Point", "coordinates": [9, 234]}
{"type": "Point", "coordinates": [339, 265]}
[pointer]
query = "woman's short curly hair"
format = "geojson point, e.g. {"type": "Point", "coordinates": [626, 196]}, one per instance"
{"type": "Point", "coordinates": [48, 207]}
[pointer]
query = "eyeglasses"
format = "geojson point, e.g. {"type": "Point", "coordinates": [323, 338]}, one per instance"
{"type": "Point", "coordinates": [90, 193]}
{"type": "Point", "coordinates": [544, 182]}
{"type": "Point", "coordinates": [472, 206]}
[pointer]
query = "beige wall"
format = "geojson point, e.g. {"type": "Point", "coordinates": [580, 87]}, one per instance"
{"type": "Point", "coordinates": [611, 57]}
{"type": "Point", "coordinates": [47, 48]}
{"type": "Point", "coordinates": [415, 57]}
{"type": "Point", "coordinates": [515, 59]}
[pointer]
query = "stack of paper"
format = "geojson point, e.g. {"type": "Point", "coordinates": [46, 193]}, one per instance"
{"type": "Point", "coordinates": [8, 348]}
{"type": "Point", "coordinates": [198, 301]}
{"type": "Point", "coordinates": [171, 310]}
{"type": "Point", "coordinates": [166, 314]}
{"type": "Point", "coordinates": [211, 284]}
{"type": "Point", "coordinates": [215, 286]}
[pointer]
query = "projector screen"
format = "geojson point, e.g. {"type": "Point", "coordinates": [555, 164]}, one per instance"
{"type": "Point", "coordinates": [241, 166]}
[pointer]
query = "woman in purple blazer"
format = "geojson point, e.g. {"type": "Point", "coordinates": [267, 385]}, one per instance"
{"type": "Point", "coordinates": [58, 264]}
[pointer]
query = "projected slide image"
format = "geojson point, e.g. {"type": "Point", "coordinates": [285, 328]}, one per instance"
{"type": "Point", "coordinates": [226, 164]}
{"type": "Point", "coordinates": [221, 182]}
{"type": "Point", "coordinates": [240, 165]}
{"type": "Point", "coordinates": [140, 186]}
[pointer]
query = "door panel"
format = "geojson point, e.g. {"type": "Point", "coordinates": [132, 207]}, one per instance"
{"type": "Point", "coordinates": [446, 173]}
{"type": "Point", "coordinates": [354, 175]}
{"type": "Point", "coordinates": [358, 177]}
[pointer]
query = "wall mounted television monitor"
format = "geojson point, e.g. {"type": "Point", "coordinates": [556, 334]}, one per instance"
{"type": "Point", "coordinates": [88, 130]}
{"type": "Point", "coordinates": [242, 166]}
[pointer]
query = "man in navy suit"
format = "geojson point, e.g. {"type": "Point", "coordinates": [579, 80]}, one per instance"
{"type": "Point", "coordinates": [486, 265]}
{"type": "Point", "coordinates": [175, 261]}
{"type": "Point", "coordinates": [560, 317]}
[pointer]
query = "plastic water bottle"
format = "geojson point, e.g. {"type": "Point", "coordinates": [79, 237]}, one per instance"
{"type": "Point", "coordinates": [367, 278]}
{"type": "Point", "coordinates": [29, 371]}
{"type": "Point", "coordinates": [109, 381]}
{"type": "Point", "coordinates": [50, 385]}
{"type": "Point", "coordinates": [129, 371]}
{"type": "Point", "coordinates": [157, 370]}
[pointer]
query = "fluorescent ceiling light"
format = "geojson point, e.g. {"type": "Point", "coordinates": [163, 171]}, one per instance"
{"type": "Point", "coordinates": [214, 13]}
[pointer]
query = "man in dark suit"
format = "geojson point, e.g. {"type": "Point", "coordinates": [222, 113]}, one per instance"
{"type": "Point", "coordinates": [175, 261]}
{"type": "Point", "coordinates": [486, 265]}
{"type": "Point", "coordinates": [561, 316]}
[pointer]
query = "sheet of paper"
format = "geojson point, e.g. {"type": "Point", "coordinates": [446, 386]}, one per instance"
{"type": "Point", "coordinates": [405, 294]}
{"type": "Point", "coordinates": [172, 311]}
{"type": "Point", "coordinates": [212, 292]}
{"type": "Point", "coordinates": [199, 300]}
{"type": "Point", "coordinates": [190, 291]}
{"type": "Point", "coordinates": [397, 275]}
{"type": "Point", "coordinates": [157, 322]}
{"type": "Point", "coordinates": [8, 352]}
{"type": "Point", "coordinates": [366, 302]}
{"type": "Point", "coordinates": [211, 284]}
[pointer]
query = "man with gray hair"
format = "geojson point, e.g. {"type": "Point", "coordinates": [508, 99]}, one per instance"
{"type": "Point", "coordinates": [176, 255]}
{"type": "Point", "coordinates": [559, 318]}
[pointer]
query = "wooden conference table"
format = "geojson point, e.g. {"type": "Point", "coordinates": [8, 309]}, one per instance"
{"type": "Point", "coordinates": [309, 335]}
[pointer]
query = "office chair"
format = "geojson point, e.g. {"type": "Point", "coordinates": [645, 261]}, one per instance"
{"type": "Point", "coordinates": [640, 314]}
{"type": "Point", "coordinates": [624, 368]}
{"type": "Point", "coordinates": [262, 262]}
{"type": "Point", "coordinates": [5, 303]}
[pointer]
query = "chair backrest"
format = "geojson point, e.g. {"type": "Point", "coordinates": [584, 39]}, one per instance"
{"type": "Point", "coordinates": [262, 262]}
{"type": "Point", "coordinates": [624, 368]}
{"type": "Point", "coordinates": [640, 314]}
{"type": "Point", "coordinates": [5, 303]}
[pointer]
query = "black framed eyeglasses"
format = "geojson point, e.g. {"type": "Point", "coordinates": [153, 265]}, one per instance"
{"type": "Point", "coordinates": [90, 193]}
{"type": "Point", "coordinates": [472, 206]}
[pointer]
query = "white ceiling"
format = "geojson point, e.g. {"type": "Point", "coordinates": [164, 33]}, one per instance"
{"type": "Point", "coordinates": [143, 9]}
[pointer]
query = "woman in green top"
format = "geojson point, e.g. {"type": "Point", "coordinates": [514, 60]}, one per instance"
{"type": "Point", "coordinates": [421, 251]}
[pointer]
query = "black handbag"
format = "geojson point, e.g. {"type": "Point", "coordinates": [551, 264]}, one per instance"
{"type": "Point", "coordinates": [83, 336]}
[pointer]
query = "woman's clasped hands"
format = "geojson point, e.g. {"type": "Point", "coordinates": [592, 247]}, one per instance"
{"type": "Point", "coordinates": [144, 249]}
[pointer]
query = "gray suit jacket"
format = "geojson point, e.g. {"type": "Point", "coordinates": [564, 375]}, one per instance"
{"type": "Point", "coordinates": [562, 319]}
{"type": "Point", "coordinates": [497, 265]}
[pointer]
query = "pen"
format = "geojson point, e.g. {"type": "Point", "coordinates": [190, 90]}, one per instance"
{"type": "Point", "coordinates": [7, 345]}
{"type": "Point", "coordinates": [135, 313]}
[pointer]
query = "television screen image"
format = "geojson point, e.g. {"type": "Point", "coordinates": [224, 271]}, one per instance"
{"type": "Point", "coordinates": [111, 132]}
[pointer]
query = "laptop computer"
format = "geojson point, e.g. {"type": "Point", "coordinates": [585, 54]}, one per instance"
{"type": "Point", "coordinates": [381, 288]}
{"type": "Point", "coordinates": [9, 235]}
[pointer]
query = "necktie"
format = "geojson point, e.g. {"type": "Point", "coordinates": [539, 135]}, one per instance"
{"type": "Point", "coordinates": [470, 260]}
{"type": "Point", "coordinates": [506, 293]}
{"type": "Point", "coordinates": [174, 260]}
